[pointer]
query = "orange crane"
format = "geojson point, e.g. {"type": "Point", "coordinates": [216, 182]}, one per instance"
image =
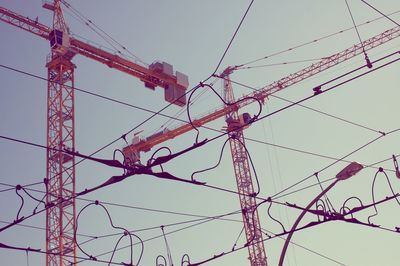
{"type": "Point", "coordinates": [257, 255]}
{"type": "Point", "coordinates": [60, 173]}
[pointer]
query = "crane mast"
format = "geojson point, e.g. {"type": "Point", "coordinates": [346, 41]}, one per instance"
{"type": "Point", "coordinates": [241, 166]}
{"type": "Point", "coordinates": [60, 174]}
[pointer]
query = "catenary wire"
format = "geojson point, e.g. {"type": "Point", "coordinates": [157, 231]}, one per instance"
{"type": "Point", "coordinates": [315, 40]}
{"type": "Point", "coordinates": [87, 21]}
{"type": "Point", "coordinates": [377, 10]}
{"type": "Point", "coordinates": [373, 193]}
{"type": "Point", "coordinates": [125, 233]}
{"type": "Point", "coordinates": [355, 27]}
{"type": "Point", "coordinates": [153, 112]}
{"type": "Point", "coordinates": [155, 227]}
{"type": "Point", "coordinates": [310, 251]}
{"type": "Point", "coordinates": [233, 37]}
{"type": "Point", "coordinates": [304, 179]}
{"type": "Point", "coordinates": [202, 222]}
{"type": "Point", "coordinates": [284, 108]}
{"type": "Point", "coordinates": [38, 250]}
{"type": "Point", "coordinates": [44, 229]}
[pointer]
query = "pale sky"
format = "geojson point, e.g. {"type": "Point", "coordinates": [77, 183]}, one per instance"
{"type": "Point", "coordinates": [292, 144]}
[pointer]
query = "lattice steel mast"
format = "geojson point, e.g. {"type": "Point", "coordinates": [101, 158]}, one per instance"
{"type": "Point", "coordinates": [60, 218]}
{"type": "Point", "coordinates": [244, 181]}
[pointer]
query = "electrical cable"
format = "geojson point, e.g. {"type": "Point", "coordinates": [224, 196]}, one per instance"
{"type": "Point", "coordinates": [319, 86]}
{"type": "Point", "coordinates": [386, 16]}
{"type": "Point", "coordinates": [328, 202]}
{"type": "Point", "coordinates": [211, 167]}
{"type": "Point", "coordinates": [193, 221]}
{"type": "Point", "coordinates": [171, 263]}
{"type": "Point", "coordinates": [125, 233]}
{"type": "Point", "coordinates": [373, 194]}
{"type": "Point", "coordinates": [329, 165]}
{"type": "Point", "coordinates": [320, 206]}
{"type": "Point", "coordinates": [22, 203]}
{"type": "Point", "coordinates": [233, 37]}
{"type": "Point", "coordinates": [359, 37]}
{"type": "Point", "coordinates": [237, 239]}
{"type": "Point", "coordinates": [171, 232]}
{"type": "Point", "coordinates": [234, 192]}
{"type": "Point", "coordinates": [140, 208]}
{"type": "Point", "coordinates": [276, 220]}
{"type": "Point", "coordinates": [185, 259]}
{"type": "Point", "coordinates": [153, 112]}
{"type": "Point", "coordinates": [312, 224]}
{"type": "Point", "coordinates": [124, 135]}
{"type": "Point", "coordinates": [281, 63]}
{"type": "Point", "coordinates": [44, 229]}
{"type": "Point", "coordinates": [382, 161]}
{"type": "Point", "coordinates": [163, 263]}
{"type": "Point", "coordinates": [275, 196]}
{"type": "Point", "coordinates": [344, 207]}
{"type": "Point", "coordinates": [329, 115]}
{"type": "Point", "coordinates": [13, 186]}
{"type": "Point", "coordinates": [316, 40]}
{"type": "Point", "coordinates": [304, 152]}
{"type": "Point", "coordinates": [309, 250]}
{"type": "Point", "coordinates": [87, 21]}
{"type": "Point", "coordinates": [225, 103]}
{"type": "Point", "coordinates": [38, 250]}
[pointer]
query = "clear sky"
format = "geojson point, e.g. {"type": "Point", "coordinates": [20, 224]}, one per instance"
{"type": "Point", "coordinates": [293, 144]}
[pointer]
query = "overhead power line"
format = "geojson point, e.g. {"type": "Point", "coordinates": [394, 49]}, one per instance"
{"type": "Point", "coordinates": [241, 66]}
{"type": "Point", "coordinates": [206, 127]}
{"type": "Point", "coordinates": [384, 15]}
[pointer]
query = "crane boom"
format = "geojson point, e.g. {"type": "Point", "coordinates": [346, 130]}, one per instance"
{"type": "Point", "coordinates": [143, 145]}
{"type": "Point", "coordinates": [157, 74]}
{"type": "Point", "coordinates": [24, 23]}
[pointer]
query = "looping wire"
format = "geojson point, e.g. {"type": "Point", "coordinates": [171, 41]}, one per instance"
{"type": "Point", "coordinates": [380, 170]}
{"type": "Point", "coordinates": [185, 259]}
{"type": "Point", "coordinates": [345, 208]}
{"type": "Point", "coordinates": [320, 205]}
{"type": "Point", "coordinates": [276, 220]}
{"type": "Point", "coordinates": [163, 262]}
{"type": "Point", "coordinates": [225, 103]}
{"type": "Point", "coordinates": [124, 234]}
{"type": "Point", "coordinates": [212, 167]}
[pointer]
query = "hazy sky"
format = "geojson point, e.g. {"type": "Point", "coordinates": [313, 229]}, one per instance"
{"type": "Point", "coordinates": [285, 147]}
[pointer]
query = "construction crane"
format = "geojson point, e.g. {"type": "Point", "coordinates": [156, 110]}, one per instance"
{"type": "Point", "coordinates": [60, 173]}
{"type": "Point", "coordinates": [236, 122]}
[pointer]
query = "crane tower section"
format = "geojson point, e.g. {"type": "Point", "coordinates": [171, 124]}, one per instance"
{"type": "Point", "coordinates": [251, 221]}
{"type": "Point", "coordinates": [60, 174]}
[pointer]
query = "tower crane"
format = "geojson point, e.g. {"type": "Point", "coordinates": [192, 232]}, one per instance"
{"type": "Point", "coordinates": [257, 254]}
{"type": "Point", "coordinates": [60, 171]}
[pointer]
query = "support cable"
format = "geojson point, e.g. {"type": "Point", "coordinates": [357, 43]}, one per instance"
{"type": "Point", "coordinates": [319, 39]}
{"type": "Point", "coordinates": [359, 37]}
{"type": "Point", "coordinates": [386, 16]}
{"type": "Point", "coordinates": [161, 114]}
